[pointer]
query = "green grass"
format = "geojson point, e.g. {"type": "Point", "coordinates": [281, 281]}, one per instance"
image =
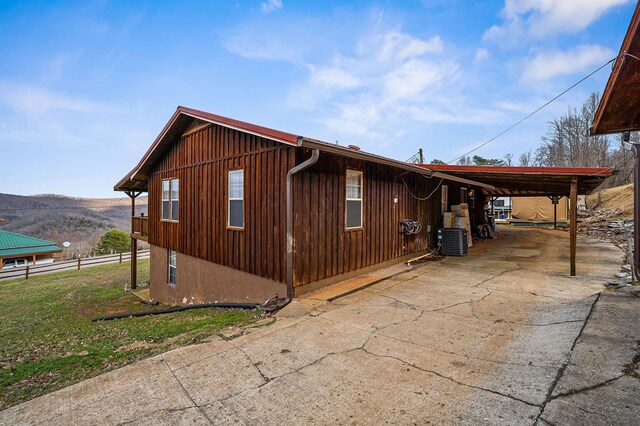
{"type": "Point", "coordinates": [47, 339]}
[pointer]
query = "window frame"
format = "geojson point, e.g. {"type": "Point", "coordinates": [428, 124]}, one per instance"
{"type": "Point", "coordinates": [170, 254]}
{"type": "Point", "coordinates": [170, 200]}
{"type": "Point", "coordinates": [444, 198]}
{"type": "Point", "coordinates": [229, 199]}
{"type": "Point", "coordinates": [359, 173]}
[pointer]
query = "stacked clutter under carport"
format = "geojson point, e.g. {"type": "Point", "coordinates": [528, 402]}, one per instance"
{"type": "Point", "coordinates": [454, 238]}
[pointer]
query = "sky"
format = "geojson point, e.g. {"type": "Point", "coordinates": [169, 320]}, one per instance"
{"type": "Point", "coordinates": [86, 86]}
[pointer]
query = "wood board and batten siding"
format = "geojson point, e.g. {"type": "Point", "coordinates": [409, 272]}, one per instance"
{"type": "Point", "coordinates": [325, 248]}
{"type": "Point", "coordinates": [201, 161]}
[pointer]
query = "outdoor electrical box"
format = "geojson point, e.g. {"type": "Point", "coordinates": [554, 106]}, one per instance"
{"type": "Point", "coordinates": [452, 241]}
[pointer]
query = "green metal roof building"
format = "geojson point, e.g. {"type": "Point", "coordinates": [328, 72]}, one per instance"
{"type": "Point", "coordinates": [18, 246]}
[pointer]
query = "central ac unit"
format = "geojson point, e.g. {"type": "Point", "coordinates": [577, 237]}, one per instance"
{"type": "Point", "coordinates": [452, 241]}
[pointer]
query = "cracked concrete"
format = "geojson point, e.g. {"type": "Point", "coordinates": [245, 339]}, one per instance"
{"type": "Point", "coordinates": [501, 336]}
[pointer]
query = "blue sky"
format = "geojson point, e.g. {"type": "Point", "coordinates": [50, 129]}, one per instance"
{"type": "Point", "coordinates": [85, 87]}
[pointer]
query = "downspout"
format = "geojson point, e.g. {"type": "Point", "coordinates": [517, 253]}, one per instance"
{"type": "Point", "coordinates": [636, 211]}
{"type": "Point", "coordinates": [315, 153]}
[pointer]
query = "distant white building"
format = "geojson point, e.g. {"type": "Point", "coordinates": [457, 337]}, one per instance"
{"type": "Point", "coordinates": [502, 207]}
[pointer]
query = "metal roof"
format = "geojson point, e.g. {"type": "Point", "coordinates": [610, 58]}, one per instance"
{"type": "Point", "coordinates": [529, 181]}
{"type": "Point", "coordinates": [619, 108]}
{"type": "Point", "coordinates": [12, 244]}
{"type": "Point", "coordinates": [136, 180]}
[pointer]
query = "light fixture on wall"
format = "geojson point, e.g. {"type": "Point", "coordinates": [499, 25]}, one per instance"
{"type": "Point", "coordinates": [395, 199]}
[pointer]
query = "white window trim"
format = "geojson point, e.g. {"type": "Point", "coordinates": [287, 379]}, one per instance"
{"type": "Point", "coordinates": [347, 199]}
{"type": "Point", "coordinates": [229, 199]}
{"type": "Point", "coordinates": [444, 198]}
{"type": "Point", "coordinates": [169, 266]}
{"type": "Point", "coordinates": [170, 200]}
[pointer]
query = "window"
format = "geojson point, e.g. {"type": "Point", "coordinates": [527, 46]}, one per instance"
{"type": "Point", "coordinates": [444, 198]}
{"type": "Point", "coordinates": [498, 203]}
{"type": "Point", "coordinates": [235, 214]}
{"type": "Point", "coordinates": [170, 195]}
{"type": "Point", "coordinates": [354, 199]}
{"type": "Point", "coordinates": [172, 267]}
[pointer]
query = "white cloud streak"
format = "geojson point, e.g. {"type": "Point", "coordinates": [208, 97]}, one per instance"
{"type": "Point", "coordinates": [387, 82]}
{"type": "Point", "coordinates": [539, 18]}
{"type": "Point", "coordinates": [42, 115]}
{"type": "Point", "coordinates": [387, 75]}
{"type": "Point", "coordinates": [271, 5]}
{"type": "Point", "coordinates": [551, 64]}
{"type": "Point", "coordinates": [34, 101]}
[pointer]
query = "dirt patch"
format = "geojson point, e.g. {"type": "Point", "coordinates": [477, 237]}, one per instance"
{"type": "Point", "coordinates": [134, 346]}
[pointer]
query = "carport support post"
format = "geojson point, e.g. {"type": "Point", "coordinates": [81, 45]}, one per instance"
{"type": "Point", "coordinates": [573, 234]}
{"type": "Point", "coordinates": [636, 211]}
{"type": "Point", "coordinates": [134, 242]}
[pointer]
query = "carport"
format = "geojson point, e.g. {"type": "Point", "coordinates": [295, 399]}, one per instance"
{"type": "Point", "coordinates": [535, 182]}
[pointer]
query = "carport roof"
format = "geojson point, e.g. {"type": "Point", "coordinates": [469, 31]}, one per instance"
{"type": "Point", "coordinates": [529, 181]}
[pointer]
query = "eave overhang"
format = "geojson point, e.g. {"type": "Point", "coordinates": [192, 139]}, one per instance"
{"type": "Point", "coordinates": [619, 108]}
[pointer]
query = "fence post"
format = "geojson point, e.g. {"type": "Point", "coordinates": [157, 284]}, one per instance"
{"type": "Point", "coordinates": [26, 275]}
{"type": "Point", "coordinates": [120, 257]}
{"type": "Point", "coordinates": [78, 264]}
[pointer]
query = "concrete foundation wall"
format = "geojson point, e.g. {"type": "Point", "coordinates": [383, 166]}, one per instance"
{"type": "Point", "coordinates": [201, 281]}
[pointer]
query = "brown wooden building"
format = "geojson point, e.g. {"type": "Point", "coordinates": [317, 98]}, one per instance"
{"type": "Point", "coordinates": [239, 212]}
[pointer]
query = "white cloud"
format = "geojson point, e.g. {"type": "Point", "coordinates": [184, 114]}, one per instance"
{"type": "Point", "coordinates": [40, 115]}
{"type": "Point", "coordinates": [410, 79]}
{"type": "Point", "coordinates": [386, 73]}
{"type": "Point", "coordinates": [390, 82]}
{"type": "Point", "coordinates": [481, 55]}
{"type": "Point", "coordinates": [35, 100]}
{"type": "Point", "coordinates": [395, 45]}
{"type": "Point", "coordinates": [384, 83]}
{"type": "Point", "coordinates": [333, 77]}
{"type": "Point", "coordinates": [271, 5]}
{"type": "Point", "coordinates": [551, 64]}
{"type": "Point", "coordinates": [539, 18]}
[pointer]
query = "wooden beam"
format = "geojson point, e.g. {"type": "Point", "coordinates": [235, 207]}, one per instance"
{"type": "Point", "coordinates": [134, 264]}
{"type": "Point", "coordinates": [573, 231]}
{"type": "Point", "coordinates": [134, 242]}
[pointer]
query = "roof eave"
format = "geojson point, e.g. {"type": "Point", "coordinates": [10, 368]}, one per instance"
{"type": "Point", "coordinates": [632, 32]}
{"type": "Point", "coordinates": [365, 156]}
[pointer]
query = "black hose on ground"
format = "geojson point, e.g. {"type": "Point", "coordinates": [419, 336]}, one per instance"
{"type": "Point", "coordinates": [259, 307]}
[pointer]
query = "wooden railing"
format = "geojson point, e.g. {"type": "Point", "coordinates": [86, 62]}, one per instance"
{"type": "Point", "coordinates": [140, 225]}
{"type": "Point", "coordinates": [67, 265]}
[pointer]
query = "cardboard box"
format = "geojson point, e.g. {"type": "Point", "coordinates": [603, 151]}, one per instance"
{"type": "Point", "coordinates": [449, 220]}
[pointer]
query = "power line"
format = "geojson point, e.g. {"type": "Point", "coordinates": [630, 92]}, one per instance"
{"type": "Point", "coordinates": [535, 111]}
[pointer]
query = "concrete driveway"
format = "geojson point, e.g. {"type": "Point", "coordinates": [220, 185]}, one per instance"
{"type": "Point", "coordinates": [482, 339]}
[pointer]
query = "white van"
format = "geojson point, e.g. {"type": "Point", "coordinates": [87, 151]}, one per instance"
{"type": "Point", "coordinates": [15, 263]}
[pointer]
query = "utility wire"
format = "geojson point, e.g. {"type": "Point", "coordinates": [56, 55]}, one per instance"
{"type": "Point", "coordinates": [422, 198]}
{"type": "Point", "coordinates": [535, 111]}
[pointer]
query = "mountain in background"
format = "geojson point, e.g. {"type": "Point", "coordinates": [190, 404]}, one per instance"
{"type": "Point", "coordinates": [81, 221]}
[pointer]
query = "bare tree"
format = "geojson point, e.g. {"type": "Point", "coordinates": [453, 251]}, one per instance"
{"type": "Point", "coordinates": [508, 160]}
{"type": "Point", "coordinates": [465, 161]}
{"type": "Point", "coordinates": [567, 142]}
{"type": "Point", "coordinates": [524, 159]}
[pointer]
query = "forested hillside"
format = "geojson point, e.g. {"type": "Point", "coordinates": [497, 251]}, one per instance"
{"type": "Point", "coordinates": [80, 221]}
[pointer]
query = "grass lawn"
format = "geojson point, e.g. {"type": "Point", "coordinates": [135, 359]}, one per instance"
{"type": "Point", "coordinates": [47, 339]}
